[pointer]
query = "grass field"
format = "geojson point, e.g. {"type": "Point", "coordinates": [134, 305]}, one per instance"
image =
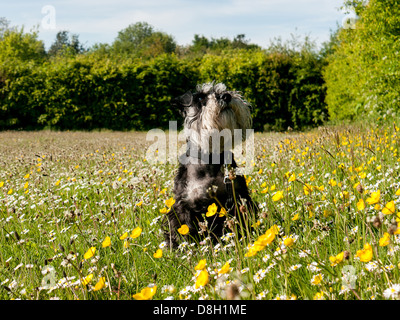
{"type": "Point", "coordinates": [80, 219]}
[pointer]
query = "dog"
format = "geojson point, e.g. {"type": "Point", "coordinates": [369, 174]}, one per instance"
{"type": "Point", "coordinates": [207, 174]}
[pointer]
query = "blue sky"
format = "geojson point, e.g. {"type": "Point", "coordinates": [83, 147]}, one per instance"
{"type": "Point", "coordinates": [98, 21]}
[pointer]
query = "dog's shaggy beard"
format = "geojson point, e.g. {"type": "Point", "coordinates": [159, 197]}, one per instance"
{"type": "Point", "coordinates": [217, 118]}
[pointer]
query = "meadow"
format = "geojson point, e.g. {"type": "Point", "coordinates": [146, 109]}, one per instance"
{"type": "Point", "coordinates": [80, 219]}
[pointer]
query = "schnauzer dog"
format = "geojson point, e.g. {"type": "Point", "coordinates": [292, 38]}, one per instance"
{"type": "Point", "coordinates": [206, 174]}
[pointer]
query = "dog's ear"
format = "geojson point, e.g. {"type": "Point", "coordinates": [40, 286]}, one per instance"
{"type": "Point", "coordinates": [183, 100]}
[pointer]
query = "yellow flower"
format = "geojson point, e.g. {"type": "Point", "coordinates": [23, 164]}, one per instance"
{"type": "Point", "coordinates": [365, 254]}
{"type": "Point", "coordinates": [319, 296]}
{"type": "Point", "coordinates": [375, 197]}
{"type": "Point", "coordinates": [27, 176]}
{"type": "Point", "coordinates": [397, 192]}
{"type": "Point", "coordinates": [277, 196]}
{"type": "Point", "coordinates": [100, 285]}
{"type": "Point", "coordinates": [124, 236]}
{"type": "Point", "coordinates": [106, 242]}
{"type": "Point", "coordinates": [252, 252]}
{"type": "Point", "coordinates": [272, 188]}
{"type": "Point", "coordinates": [136, 232]}
{"type": "Point", "coordinates": [222, 213]}
{"type": "Point", "coordinates": [158, 254]}
{"type": "Point", "coordinates": [163, 210]}
{"type": "Point", "coordinates": [288, 242]}
{"type": "Point", "coordinates": [10, 192]}
{"type": "Point", "coordinates": [317, 279]}
{"type": "Point", "coordinates": [201, 265]}
{"type": "Point", "coordinates": [225, 268]}
{"type": "Point", "coordinates": [212, 209]}
{"type": "Point", "coordinates": [292, 178]}
{"type": "Point", "coordinates": [389, 208]}
{"type": "Point", "coordinates": [265, 190]}
{"type": "Point", "coordinates": [295, 217]}
{"type": "Point", "coordinates": [202, 279]}
{"type": "Point", "coordinates": [139, 203]}
{"type": "Point", "coordinates": [2, 184]}
{"type": "Point", "coordinates": [265, 239]}
{"type": "Point", "coordinates": [385, 240]}
{"type": "Point", "coordinates": [146, 293]}
{"type": "Point", "coordinates": [336, 259]}
{"type": "Point", "coordinates": [307, 189]}
{"type": "Point", "coordinates": [87, 279]}
{"type": "Point", "coordinates": [361, 205]}
{"type": "Point", "coordinates": [263, 185]}
{"type": "Point", "coordinates": [184, 229]}
{"type": "Point", "coordinates": [90, 253]}
{"type": "Point", "coordinates": [57, 183]}
{"type": "Point", "coordinates": [126, 244]}
{"type": "Point", "coordinates": [26, 185]}
{"type": "Point", "coordinates": [170, 202]}
{"type": "Point", "coordinates": [332, 182]}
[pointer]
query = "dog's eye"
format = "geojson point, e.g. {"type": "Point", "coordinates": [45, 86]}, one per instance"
{"type": "Point", "coordinates": [201, 98]}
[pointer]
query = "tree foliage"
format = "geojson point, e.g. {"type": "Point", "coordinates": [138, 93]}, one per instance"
{"type": "Point", "coordinates": [363, 72]}
{"type": "Point", "coordinates": [129, 84]}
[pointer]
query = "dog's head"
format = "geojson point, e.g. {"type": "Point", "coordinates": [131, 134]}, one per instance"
{"type": "Point", "coordinates": [213, 109]}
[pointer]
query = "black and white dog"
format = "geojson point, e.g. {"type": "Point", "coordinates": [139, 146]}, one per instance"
{"type": "Point", "coordinates": [206, 173]}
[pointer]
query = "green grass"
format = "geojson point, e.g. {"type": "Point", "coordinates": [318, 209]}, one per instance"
{"type": "Point", "coordinates": [62, 193]}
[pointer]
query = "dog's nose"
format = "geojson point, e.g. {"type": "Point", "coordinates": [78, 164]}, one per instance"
{"type": "Point", "coordinates": [226, 97]}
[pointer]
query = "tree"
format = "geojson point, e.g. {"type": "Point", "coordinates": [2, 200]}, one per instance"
{"type": "Point", "coordinates": [362, 77]}
{"type": "Point", "coordinates": [140, 40]}
{"type": "Point", "coordinates": [65, 43]}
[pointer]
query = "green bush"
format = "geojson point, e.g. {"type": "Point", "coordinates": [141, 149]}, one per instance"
{"type": "Point", "coordinates": [99, 88]}
{"type": "Point", "coordinates": [363, 74]}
